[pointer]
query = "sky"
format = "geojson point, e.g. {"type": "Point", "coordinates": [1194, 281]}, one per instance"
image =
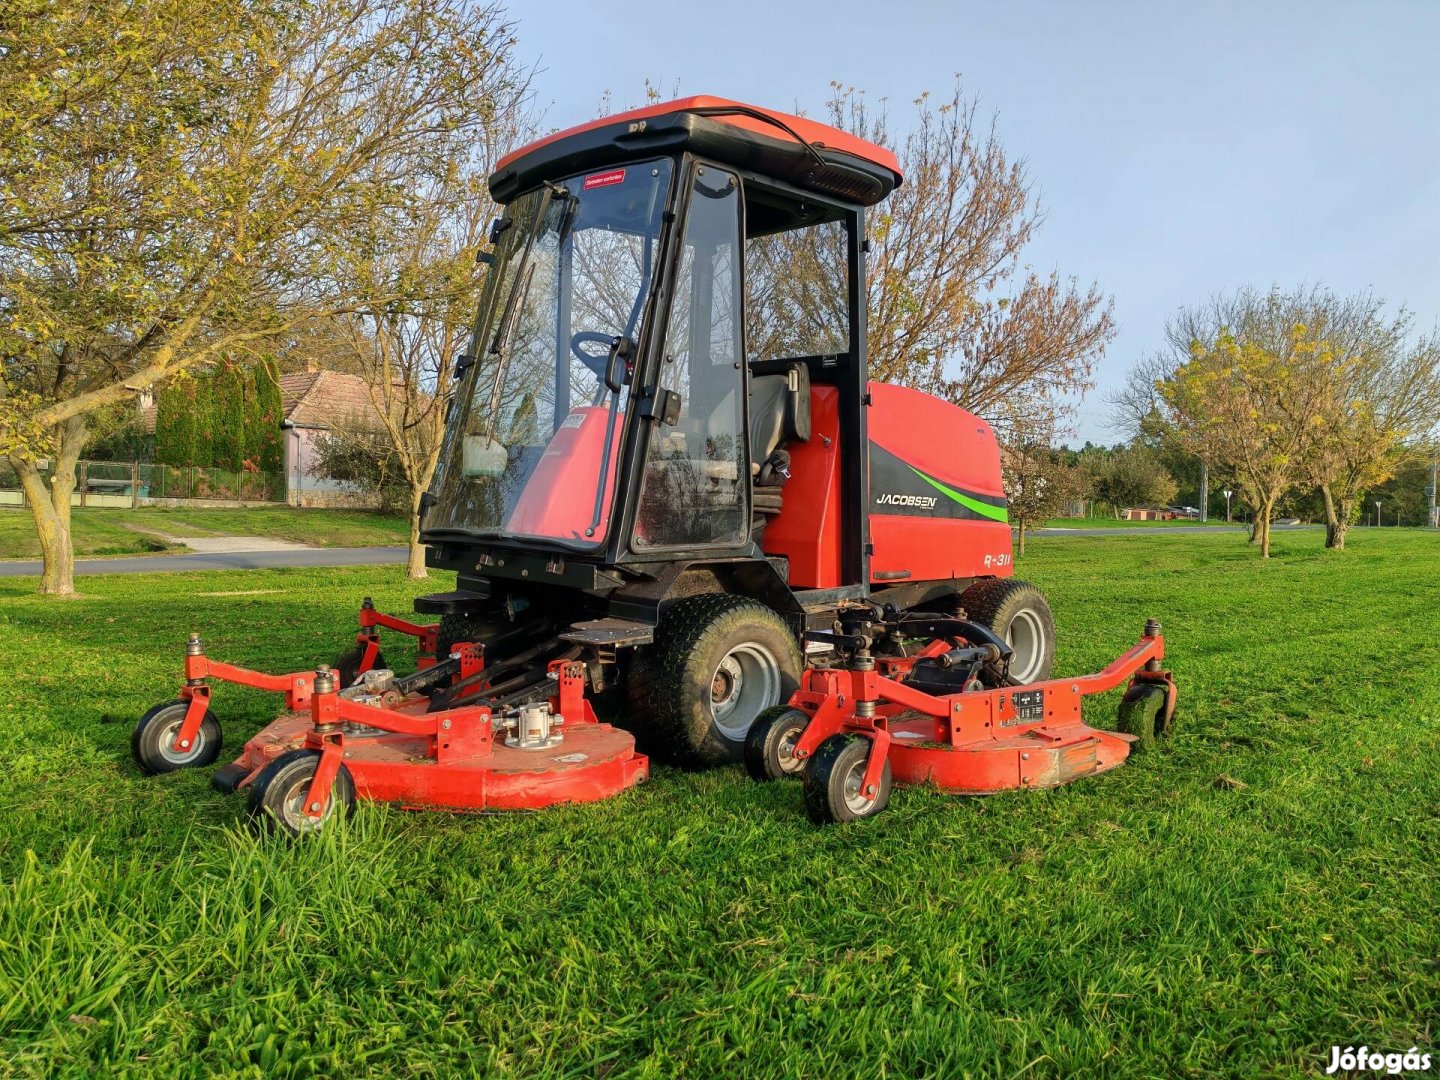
{"type": "Point", "coordinates": [1179, 149]}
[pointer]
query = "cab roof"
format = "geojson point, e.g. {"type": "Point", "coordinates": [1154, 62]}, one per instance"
{"type": "Point", "coordinates": [808, 154]}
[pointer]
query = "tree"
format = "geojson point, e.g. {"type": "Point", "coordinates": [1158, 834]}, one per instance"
{"type": "Point", "coordinates": [1379, 392]}
{"type": "Point", "coordinates": [1038, 480]}
{"type": "Point", "coordinates": [180, 178]}
{"type": "Point", "coordinates": [1253, 407]}
{"type": "Point", "coordinates": [362, 457]}
{"type": "Point", "coordinates": [406, 350]}
{"type": "Point", "coordinates": [1357, 387]}
{"type": "Point", "coordinates": [227, 444]}
{"type": "Point", "coordinates": [1127, 476]}
{"type": "Point", "coordinates": [268, 451]}
{"type": "Point", "coordinates": [952, 309]}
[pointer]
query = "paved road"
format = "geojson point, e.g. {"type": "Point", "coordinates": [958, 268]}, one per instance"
{"type": "Point", "coordinates": [372, 556]}
{"type": "Point", "coordinates": [232, 560]}
{"type": "Point", "coordinates": [1161, 530]}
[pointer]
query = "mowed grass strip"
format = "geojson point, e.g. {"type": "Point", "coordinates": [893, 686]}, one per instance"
{"type": "Point", "coordinates": [1232, 905]}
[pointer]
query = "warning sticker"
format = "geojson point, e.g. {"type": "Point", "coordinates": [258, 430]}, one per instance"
{"type": "Point", "coordinates": [603, 179]}
{"type": "Point", "coordinates": [1029, 707]}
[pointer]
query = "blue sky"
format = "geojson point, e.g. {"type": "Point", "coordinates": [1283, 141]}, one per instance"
{"type": "Point", "coordinates": [1179, 148]}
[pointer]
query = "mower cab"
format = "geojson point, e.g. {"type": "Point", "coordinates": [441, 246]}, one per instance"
{"type": "Point", "coordinates": [665, 479]}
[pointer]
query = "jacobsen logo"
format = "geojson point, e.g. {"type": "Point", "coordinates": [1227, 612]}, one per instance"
{"type": "Point", "coordinates": [923, 502]}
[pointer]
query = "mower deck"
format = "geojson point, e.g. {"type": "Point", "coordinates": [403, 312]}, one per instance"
{"type": "Point", "coordinates": [594, 762]}
{"type": "Point", "coordinates": [1043, 757]}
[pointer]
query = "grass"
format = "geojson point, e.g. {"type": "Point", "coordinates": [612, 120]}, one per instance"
{"type": "Point", "coordinates": [123, 532]}
{"type": "Point", "coordinates": [1232, 905]}
{"type": "Point", "coordinates": [1118, 523]}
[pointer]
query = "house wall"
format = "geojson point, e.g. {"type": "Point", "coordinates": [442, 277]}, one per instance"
{"type": "Point", "coordinates": [303, 487]}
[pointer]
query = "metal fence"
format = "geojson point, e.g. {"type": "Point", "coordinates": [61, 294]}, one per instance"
{"type": "Point", "coordinates": [133, 483]}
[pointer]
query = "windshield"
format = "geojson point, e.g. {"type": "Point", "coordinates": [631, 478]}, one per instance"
{"type": "Point", "coordinates": [532, 445]}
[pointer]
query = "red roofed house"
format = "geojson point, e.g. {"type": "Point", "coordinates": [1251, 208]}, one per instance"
{"type": "Point", "coordinates": [312, 402]}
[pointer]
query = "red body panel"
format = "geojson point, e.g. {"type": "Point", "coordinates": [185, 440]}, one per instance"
{"type": "Point", "coordinates": [559, 497]}
{"type": "Point", "coordinates": [941, 538]}
{"type": "Point", "coordinates": [807, 530]}
{"type": "Point", "coordinates": [913, 433]}
{"type": "Point", "coordinates": [820, 134]}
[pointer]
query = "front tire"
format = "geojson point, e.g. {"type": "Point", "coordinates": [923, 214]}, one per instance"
{"type": "Point", "coordinates": [347, 665]}
{"type": "Point", "coordinates": [1019, 614]}
{"type": "Point", "coordinates": [717, 662]}
{"type": "Point", "coordinates": [834, 777]}
{"type": "Point", "coordinates": [276, 800]}
{"type": "Point", "coordinates": [153, 741]}
{"type": "Point", "coordinates": [770, 745]}
{"type": "Point", "coordinates": [1145, 713]}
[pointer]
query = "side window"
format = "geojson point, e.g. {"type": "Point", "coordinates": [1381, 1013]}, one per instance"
{"type": "Point", "coordinates": [797, 290]}
{"type": "Point", "coordinates": [696, 485]}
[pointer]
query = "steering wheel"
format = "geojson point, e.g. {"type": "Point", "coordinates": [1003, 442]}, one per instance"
{"type": "Point", "coordinates": [594, 361]}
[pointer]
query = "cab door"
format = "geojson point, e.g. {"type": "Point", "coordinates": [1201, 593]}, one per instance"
{"type": "Point", "coordinates": [695, 484]}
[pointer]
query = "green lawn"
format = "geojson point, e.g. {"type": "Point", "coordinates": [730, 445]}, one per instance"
{"type": "Point", "coordinates": [121, 532]}
{"type": "Point", "coordinates": [1232, 905]}
{"type": "Point", "coordinates": [1118, 523]}
{"type": "Point", "coordinates": [96, 532]}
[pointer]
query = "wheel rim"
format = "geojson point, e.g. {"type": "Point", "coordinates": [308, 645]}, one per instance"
{"type": "Point", "coordinates": [292, 807]}
{"type": "Point", "coordinates": [1026, 635]}
{"type": "Point", "coordinates": [173, 754]}
{"type": "Point", "coordinates": [855, 800]}
{"type": "Point", "coordinates": [785, 751]}
{"type": "Point", "coordinates": [746, 682]}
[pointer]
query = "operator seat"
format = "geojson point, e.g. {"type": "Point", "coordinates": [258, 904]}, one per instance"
{"type": "Point", "coordinates": [779, 415]}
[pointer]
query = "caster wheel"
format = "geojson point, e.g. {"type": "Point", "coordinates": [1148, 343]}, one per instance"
{"type": "Point", "coordinates": [770, 744]}
{"type": "Point", "coordinates": [277, 795]}
{"type": "Point", "coordinates": [1144, 713]}
{"type": "Point", "coordinates": [833, 778]}
{"type": "Point", "coordinates": [153, 741]}
{"type": "Point", "coordinates": [347, 665]}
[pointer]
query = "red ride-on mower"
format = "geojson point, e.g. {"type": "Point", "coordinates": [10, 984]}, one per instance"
{"type": "Point", "coordinates": [663, 468]}
{"type": "Point", "coordinates": [920, 712]}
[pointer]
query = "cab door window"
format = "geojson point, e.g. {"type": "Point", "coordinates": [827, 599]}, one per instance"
{"type": "Point", "coordinates": [696, 486]}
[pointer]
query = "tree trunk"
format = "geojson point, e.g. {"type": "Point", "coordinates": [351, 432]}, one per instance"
{"type": "Point", "coordinates": [1344, 514]}
{"type": "Point", "coordinates": [1262, 526]}
{"type": "Point", "coordinates": [1334, 528]}
{"type": "Point", "coordinates": [415, 565]}
{"type": "Point", "coordinates": [1020, 550]}
{"type": "Point", "coordinates": [50, 508]}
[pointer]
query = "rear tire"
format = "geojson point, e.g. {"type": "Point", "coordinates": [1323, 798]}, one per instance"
{"type": "Point", "coordinates": [717, 662]}
{"type": "Point", "coordinates": [457, 628]}
{"type": "Point", "coordinates": [1019, 614]}
{"type": "Point", "coordinates": [833, 778]}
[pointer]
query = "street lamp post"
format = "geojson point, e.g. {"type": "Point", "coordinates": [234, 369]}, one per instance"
{"type": "Point", "coordinates": [1377, 513]}
{"type": "Point", "coordinates": [1227, 505]}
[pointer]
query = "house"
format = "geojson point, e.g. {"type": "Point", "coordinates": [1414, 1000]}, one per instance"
{"type": "Point", "coordinates": [312, 404]}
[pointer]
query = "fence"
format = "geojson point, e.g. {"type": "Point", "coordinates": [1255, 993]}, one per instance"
{"type": "Point", "coordinates": [133, 483]}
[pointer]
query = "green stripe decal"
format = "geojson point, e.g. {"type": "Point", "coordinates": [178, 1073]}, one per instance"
{"type": "Point", "coordinates": [985, 510]}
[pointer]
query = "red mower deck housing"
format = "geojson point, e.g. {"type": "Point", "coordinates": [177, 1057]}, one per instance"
{"type": "Point", "coordinates": [390, 745]}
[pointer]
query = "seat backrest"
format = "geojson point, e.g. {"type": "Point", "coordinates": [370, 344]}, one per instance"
{"type": "Point", "coordinates": [779, 411]}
